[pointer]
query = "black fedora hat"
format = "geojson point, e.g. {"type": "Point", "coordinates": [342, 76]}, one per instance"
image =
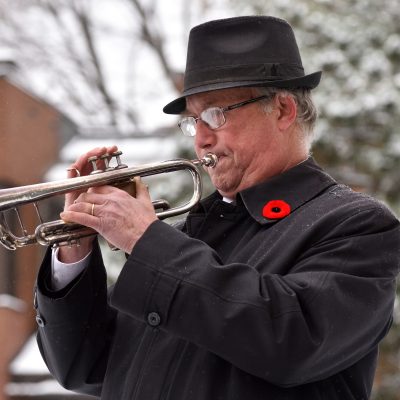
{"type": "Point", "coordinates": [242, 52]}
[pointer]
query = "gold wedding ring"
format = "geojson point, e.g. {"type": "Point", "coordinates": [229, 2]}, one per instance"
{"type": "Point", "coordinates": [92, 209]}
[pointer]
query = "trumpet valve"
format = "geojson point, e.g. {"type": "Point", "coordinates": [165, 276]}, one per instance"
{"type": "Point", "coordinates": [105, 158]}
{"type": "Point", "coordinates": [93, 160]}
{"type": "Point", "coordinates": [118, 160]}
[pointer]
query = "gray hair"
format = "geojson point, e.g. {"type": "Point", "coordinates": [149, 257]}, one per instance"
{"type": "Point", "coordinates": [306, 110]}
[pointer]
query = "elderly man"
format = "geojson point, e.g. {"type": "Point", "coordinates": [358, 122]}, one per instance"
{"type": "Point", "coordinates": [280, 285]}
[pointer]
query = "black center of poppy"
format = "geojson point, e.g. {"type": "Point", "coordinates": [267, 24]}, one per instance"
{"type": "Point", "coordinates": [276, 209]}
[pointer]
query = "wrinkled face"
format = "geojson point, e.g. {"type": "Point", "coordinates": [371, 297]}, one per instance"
{"type": "Point", "coordinates": [250, 146]}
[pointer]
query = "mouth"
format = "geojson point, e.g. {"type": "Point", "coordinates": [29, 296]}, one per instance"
{"type": "Point", "coordinates": [220, 155]}
{"type": "Point", "coordinates": [220, 164]}
{"type": "Point", "coordinates": [220, 158]}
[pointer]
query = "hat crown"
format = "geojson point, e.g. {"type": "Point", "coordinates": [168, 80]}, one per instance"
{"type": "Point", "coordinates": [241, 41]}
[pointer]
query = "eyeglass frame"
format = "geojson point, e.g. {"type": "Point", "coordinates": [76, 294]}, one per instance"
{"type": "Point", "coordinates": [223, 110]}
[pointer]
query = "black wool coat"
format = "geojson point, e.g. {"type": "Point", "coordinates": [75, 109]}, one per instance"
{"type": "Point", "coordinates": [244, 302]}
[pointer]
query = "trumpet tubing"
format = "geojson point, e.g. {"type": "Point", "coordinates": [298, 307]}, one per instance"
{"type": "Point", "coordinates": [58, 233]}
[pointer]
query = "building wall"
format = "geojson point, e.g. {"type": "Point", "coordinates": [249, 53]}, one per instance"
{"type": "Point", "coordinates": [30, 141]}
{"type": "Point", "coordinates": [28, 136]}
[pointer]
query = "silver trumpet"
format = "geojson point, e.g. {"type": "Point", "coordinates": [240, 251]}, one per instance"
{"type": "Point", "coordinates": [59, 232]}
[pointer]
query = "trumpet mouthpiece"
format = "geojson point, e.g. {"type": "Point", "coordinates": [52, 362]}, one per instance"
{"type": "Point", "coordinates": [210, 160]}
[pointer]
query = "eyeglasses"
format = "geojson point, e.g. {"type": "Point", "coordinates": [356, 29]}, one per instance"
{"type": "Point", "coordinates": [213, 117]}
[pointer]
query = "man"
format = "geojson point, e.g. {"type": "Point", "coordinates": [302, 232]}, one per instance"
{"type": "Point", "coordinates": [280, 285]}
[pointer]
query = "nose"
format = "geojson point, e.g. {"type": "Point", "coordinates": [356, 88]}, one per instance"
{"type": "Point", "coordinates": [205, 137]}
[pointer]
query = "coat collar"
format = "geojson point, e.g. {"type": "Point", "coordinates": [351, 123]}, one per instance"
{"type": "Point", "coordinates": [294, 187]}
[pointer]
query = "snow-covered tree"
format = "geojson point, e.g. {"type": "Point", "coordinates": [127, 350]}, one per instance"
{"type": "Point", "coordinates": [118, 62]}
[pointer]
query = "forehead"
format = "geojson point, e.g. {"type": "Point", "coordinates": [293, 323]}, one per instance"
{"type": "Point", "coordinates": [200, 101]}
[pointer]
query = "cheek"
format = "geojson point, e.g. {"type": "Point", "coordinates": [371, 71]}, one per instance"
{"type": "Point", "coordinates": [260, 150]}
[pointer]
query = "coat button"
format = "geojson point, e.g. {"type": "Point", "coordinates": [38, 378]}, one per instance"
{"type": "Point", "coordinates": [154, 319]}
{"type": "Point", "coordinates": [40, 321]}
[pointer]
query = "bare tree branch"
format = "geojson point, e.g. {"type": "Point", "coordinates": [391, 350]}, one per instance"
{"type": "Point", "coordinates": [93, 75]}
{"type": "Point", "coordinates": [152, 37]}
{"type": "Point", "coordinates": [80, 63]}
{"type": "Point", "coordinates": [85, 25]}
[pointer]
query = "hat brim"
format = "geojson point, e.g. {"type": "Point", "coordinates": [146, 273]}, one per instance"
{"type": "Point", "coordinates": [178, 105]}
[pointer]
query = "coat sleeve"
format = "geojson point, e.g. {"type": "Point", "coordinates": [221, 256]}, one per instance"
{"type": "Point", "coordinates": [75, 327]}
{"type": "Point", "coordinates": [329, 310]}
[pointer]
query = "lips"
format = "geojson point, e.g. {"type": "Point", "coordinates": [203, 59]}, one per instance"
{"type": "Point", "coordinates": [220, 155]}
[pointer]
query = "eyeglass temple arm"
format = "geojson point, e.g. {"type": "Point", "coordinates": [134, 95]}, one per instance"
{"type": "Point", "coordinates": [243, 103]}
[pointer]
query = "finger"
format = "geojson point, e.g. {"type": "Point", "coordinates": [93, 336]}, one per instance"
{"type": "Point", "coordinates": [104, 189]}
{"type": "Point", "coordinates": [97, 151]}
{"type": "Point", "coordinates": [82, 167]}
{"type": "Point", "coordinates": [81, 163]}
{"type": "Point", "coordinates": [86, 207]}
{"type": "Point", "coordinates": [112, 149]}
{"type": "Point", "coordinates": [101, 164]}
{"type": "Point", "coordinates": [142, 190]}
{"type": "Point", "coordinates": [73, 171]}
{"type": "Point", "coordinates": [77, 169]}
{"type": "Point", "coordinates": [99, 194]}
{"type": "Point", "coordinates": [81, 218]}
{"type": "Point", "coordinates": [86, 167]}
{"type": "Point", "coordinates": [89, 198]}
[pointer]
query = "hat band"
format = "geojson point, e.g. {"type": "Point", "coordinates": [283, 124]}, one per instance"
{"type": "Point", "coordinates": [254, 72]}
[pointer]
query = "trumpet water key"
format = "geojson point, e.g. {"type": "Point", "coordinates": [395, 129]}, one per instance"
{"type": "Point", "coordinates": [58, 233]}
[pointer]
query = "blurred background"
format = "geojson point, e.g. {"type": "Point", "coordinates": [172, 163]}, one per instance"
{"type": "Point", "coordinates": [76, 74]}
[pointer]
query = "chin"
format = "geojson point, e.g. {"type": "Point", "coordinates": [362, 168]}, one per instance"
{"type": "Point", "coordinates": [224, 189]}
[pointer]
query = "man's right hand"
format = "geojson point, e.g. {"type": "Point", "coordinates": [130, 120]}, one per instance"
{"type": "Point", "coordinates": [71, 254]}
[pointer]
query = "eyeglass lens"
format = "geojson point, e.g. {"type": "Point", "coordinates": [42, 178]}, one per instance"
{"type": "Point", "coordinates": [188, 126]}
{"type": "Point", "coordinates": [214, 117]}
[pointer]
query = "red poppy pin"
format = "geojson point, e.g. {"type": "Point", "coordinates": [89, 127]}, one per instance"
{"type": "Point", "coordinates": [276, 209]}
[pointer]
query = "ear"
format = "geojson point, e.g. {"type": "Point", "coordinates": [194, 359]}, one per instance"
{"type": "Point", "coordinates": [287, 111]}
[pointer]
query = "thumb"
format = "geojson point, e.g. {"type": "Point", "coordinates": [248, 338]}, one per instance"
{"type": "Point", "coordinates": [142, 190]}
